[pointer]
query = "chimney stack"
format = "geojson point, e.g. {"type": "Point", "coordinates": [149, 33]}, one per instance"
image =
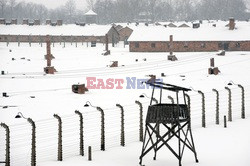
{"type": "Point", "coordinates": [171, 44]}
{"type": "Point", "coordinates": [25, 21]}
{"type": "Point", "coordinates": [231, 23]}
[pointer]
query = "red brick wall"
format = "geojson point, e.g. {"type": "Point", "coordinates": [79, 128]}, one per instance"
{"type": "Point", "coordinates": [37, 38]}
{"type": "Point", "coordinates": [189, 46]}
{"type": "Point", "coordinates": [125, 33]}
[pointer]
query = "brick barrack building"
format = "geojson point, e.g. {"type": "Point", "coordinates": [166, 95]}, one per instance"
{"type": "Point", "coordinates": [210, 36]}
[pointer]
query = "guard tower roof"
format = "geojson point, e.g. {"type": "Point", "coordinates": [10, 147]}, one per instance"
{"type": "Point", "coordinates": [165, 86]}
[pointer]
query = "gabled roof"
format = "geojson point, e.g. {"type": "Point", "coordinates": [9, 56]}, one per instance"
{"type": "Point", "coordinates": [183, 26]}
{"type": "Point", "coordinates": [65, 30]}
{"type": "Point", "coordinates": [172, 25]}
{"type": "Point", "coordinates": [90, 13]}
{"type": "Point", "coordinates": [205, 33]}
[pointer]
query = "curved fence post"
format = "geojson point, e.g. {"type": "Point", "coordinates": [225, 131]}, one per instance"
{"type": "Point", "coordinates": [141, 121]}
{"type": "Point", "coordinates": [171, 99]}
{"type": "Point", "coordinates": [188, 101]}
{"type": "Point", "coordinates": [203, 121]}
{"type": "Point", "coordinates": [81, 133]}
{"type": "Point", "coordinates": [7, 150]}
{"type": "Point", "coordinates": [242, 101]}
{"type": "Point", "coordinates": [189, 104]}
{"type": "Point", "coordinates": [217, 114]}
{"type": "Point", "coordinates": [122, 125]}
{"type": "Point", "coordinates": [33, 142]}
{"type": "Point", "coordinates": [60, 151]}
{"type": "Point", "coordinates": [102, 128]}
{"type": "Point", "coordinates": [229, 104]}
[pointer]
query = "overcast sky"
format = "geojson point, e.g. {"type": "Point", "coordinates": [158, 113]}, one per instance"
{"type": "Point", "coordinates": [81, 4]}
{"type": "Point", "coordinates": [51, 4]}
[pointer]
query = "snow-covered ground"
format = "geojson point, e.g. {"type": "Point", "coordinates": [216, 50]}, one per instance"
{"type": "Point", "coordinates": [215, 146]}
{"type": "Point", "coordinates": [25, 78]}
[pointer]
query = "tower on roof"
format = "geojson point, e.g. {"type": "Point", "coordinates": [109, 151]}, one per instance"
{"type": "Point", "coordinates": [90, 17]}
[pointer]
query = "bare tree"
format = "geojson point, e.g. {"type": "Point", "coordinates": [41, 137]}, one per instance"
{"type": "Point", "coordinates": [3, 4]}
{"type": "Point", "coordinates": [90, 4]}
{"type": "Point", "coordinates": [70, 7]}
{"type": "Point", "coordinates": [12, 5]}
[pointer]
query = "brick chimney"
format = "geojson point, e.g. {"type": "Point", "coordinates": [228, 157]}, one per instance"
{"type": "Point", "coordinates": [25, 21]}
{"type": "Point", "coordinates": [171, 44]}
{"type": "Point", "coordinates": [59, 22]}
{"type": "Point", "coordinates": [37, 22]}
{"type": "Point", "coordinates": [48, 22]}
{"type": "Point", "coordinates": [231, 23]}
{"type": "Point", "coordinates": [14, 21]}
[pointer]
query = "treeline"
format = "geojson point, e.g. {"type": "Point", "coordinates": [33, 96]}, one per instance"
{"type": "Point", "coordinates": [129, 10]}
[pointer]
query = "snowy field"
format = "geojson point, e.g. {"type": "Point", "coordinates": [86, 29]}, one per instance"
{"type": "Point", "coordinates": [40, 96]}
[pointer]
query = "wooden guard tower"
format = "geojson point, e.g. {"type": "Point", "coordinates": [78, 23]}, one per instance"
{"type": "Point", "coordinates": [173, 119]}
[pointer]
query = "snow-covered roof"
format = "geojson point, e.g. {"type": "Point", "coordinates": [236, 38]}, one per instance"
{"type": "Point", "coordinates": [75, 30]}
{"type": "Point", "coordinates": [205, 33]}
{"type": "Point", "coordinates": [90, 13]}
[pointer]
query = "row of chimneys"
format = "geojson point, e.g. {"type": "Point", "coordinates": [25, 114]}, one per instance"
{"type": "Point", "coordinates": [27, 22]}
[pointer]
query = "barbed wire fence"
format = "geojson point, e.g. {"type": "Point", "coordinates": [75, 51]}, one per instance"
{"type": "Point", "coordinates": [47, 130]}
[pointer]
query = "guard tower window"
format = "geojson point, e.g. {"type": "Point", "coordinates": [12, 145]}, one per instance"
{"type": "Point", "coordinates": [137, 45]}
{"type": "Point", "coordinates": [152, 45]}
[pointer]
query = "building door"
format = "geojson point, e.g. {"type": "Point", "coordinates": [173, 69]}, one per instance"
{"type": "Point", "coordinates": [226, 46]}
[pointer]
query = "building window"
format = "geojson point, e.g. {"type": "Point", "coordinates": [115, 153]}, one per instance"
{"type": "Point", "coordinates": [136, 45]}
{"type": "Point", "coordinates": [153, 45]}
{"type": "Point", "coordinates": [93, 44]}
{"type": "Point", "coordinates": [220, 45]}
{"type": "Point", "coordinates": [203, 45]}
{"type": "Point", "coordinates": [237, 45]}
{"type": "Point", "coordinates": [185, 45]}
{"type": "Point", "coordinates": [169, 45]}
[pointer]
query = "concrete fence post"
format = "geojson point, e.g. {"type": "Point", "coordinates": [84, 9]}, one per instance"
{"type": "Point", "coordinates": [89, 153]}
{"type": "Point", "coordinates": [60, 150]}
{"type": "Point", "coordinates": [242, 101]}
{"type": "Point", "coordinates": [225, 121]}
{"type": "Point", "coordinates": [229, 104]}
{"type": "Point", "coordinates": [188, 101]}
{"type": "Point", "coordinates": [102, 128]}
{"type": "Point", "coordinates": [141, 121]}
{"type": "Point", "coordinates": [172, 101]}
{"type": "Point", "coordinates": [81, 133]}
{"type": "Point", "coordinates": [7, 144]}
{"type": "Point", "coordinates": [217, 114]}
{"type": "Point", "coordinates": [122, 125]}
{"type": "Point", "coordinates": [203, 116]}
{"type": "Point", "coordinates": [33, 142]}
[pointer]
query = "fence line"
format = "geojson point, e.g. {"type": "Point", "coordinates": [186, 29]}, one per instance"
{"type": "Point", "coordinates": [111, 127]}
